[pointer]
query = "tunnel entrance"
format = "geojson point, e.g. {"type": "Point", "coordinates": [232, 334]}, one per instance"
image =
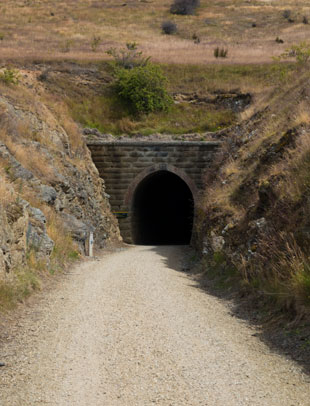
{"type": "Point", "coordinates": [162, 211]}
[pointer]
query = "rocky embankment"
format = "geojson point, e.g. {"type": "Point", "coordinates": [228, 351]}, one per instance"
{"type": "Point", "coordinates": [51, 194]}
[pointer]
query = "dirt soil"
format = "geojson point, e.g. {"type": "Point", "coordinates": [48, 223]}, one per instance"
{"type": "Point", "coordinates": [130, 328]}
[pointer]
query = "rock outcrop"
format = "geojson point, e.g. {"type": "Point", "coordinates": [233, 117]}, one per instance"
{"type": "Point", "coordinates": [50, 188]}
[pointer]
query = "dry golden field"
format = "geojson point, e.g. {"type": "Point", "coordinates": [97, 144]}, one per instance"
{"type": "Point", "coordinates": [65, 29]}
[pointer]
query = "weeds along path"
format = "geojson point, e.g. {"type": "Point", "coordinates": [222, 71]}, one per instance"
{"type": "Point", "coordinates": [131, 329]}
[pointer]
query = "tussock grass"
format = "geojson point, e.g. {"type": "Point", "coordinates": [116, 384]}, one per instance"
{"type": "Point", "coordinates": [65, 250]}
{"type": "Point", "coordinates": [33, 160]}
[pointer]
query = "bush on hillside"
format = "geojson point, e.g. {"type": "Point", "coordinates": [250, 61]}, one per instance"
{"type": "Point", "coordinates": [143, 88]}
{"type": "Point", "coordinates": [301, 52]}
{"type": "Point", "coordinates": [128, 57]}
{"type": "Point", "coordinates": [169, 27]}
{"type": "Point", "coordinates": [9, 76]}
{"type": "Point", "coordinates": [184, 7]}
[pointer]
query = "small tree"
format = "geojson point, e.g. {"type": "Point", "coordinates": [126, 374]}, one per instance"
{"type": "Point", "coordinates": [143, 88]}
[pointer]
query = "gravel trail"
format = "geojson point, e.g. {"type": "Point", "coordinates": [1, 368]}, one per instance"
{"type": "Point", "coordinates": [132, 330]}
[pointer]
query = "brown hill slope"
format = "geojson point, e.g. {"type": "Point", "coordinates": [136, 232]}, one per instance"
{"type": "Point", "coordinates": [255, 216]}
{"type": "Point", "coordinates": [85, 29]}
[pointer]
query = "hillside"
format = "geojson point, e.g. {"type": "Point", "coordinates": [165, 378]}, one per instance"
{"type": "Point", "coordinates": [51, 195]}
{"type": "Point", "coordinates": [85, 29]}
{"type": "Point", "coordinates": [254, 220]}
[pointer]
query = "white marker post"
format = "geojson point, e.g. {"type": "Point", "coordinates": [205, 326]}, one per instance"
{"type": "Point", "coordinates": [91, 243]}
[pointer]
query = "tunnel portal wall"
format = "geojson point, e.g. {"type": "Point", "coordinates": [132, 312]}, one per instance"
{"type": "Point", "coordinates": [123, 165]}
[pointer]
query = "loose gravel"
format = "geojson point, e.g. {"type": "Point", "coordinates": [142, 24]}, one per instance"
{"type": "Point", "coordinates": [131, 329]}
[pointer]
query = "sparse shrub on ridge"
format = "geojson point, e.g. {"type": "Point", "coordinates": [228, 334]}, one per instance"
{"type": "Point", "coordinates": [66, 45]}
{"type": "Point", "coordinates": [169, 27]}
{"type": "Point", "coordinates": [128, 57]}
{"type": "Point", "coordinates": [95, 42]}
{"type": "Point", "coordinates": [279, 40]}
{"type": "Point", "coordinates": [195, 38]}
{"type": "Point", "coordinates": [9, 76]}
{"type": "Point", "coordinates": [184, 7]}
{"type": "Point", "coordinates": [301, 52]}
{"type": "Point", "coordinates": [220, 52]}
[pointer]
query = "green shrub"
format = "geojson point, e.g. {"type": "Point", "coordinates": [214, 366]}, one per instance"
{"type": "Point", "coordinates": [301, 52]}
{"type": "Point", "coordinates": [143, 88]}
{"type": "Point", "coordinates": [9, 76]}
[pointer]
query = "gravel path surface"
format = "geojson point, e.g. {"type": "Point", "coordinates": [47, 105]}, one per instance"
{"type": "Point", "coordinates": [130, 329]}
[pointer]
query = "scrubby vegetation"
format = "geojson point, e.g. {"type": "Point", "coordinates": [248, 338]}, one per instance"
{"type": "Point", "coordinates": [256, 204]}
{"type": "Point", "coordinates": [102, 110]}
{"type": "Point", "coordinates": [184, 7]}
{"type": "Point", "coordinates": [68, 30]}
{"type": "Point", "coordinates": [220, 52]}
{"type": "Point", "coordinates": [169, 27]}
{"type": "Point", "coordinates": [138, 83]}
{"type": "Point", "coordinates": [143, 88]}
{"type": "Point", "coordinates": [9, 76]}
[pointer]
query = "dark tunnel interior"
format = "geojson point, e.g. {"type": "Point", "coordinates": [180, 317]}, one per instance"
{"type": "Point", "coordinates": [163, 210]}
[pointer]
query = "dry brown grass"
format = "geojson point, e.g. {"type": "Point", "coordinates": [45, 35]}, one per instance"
{"type": "Point", "coordinates": [302, 116]}
{"type": "Point", "coordinates": [295, 169]}
{"type": "Point", "coordinates": [64, 29]}
{"type": "Point", "coordinates": [33, 160]}
{"type": "Point", "coordinates": [7, 192]}
{"type": "Point", "coordinates": [65, 248]}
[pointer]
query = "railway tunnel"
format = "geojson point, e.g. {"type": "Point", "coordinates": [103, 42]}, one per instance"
{"type": "Point", "coordinates": [154, 187]}
{"type": "Point", "coordinates": [162, 210]}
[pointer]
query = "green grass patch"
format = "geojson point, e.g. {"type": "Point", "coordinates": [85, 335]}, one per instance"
{"type": "Point", "coordinates": [200, 78]}
{"type": "Point", "coordinates": [102, 109]}
{"type": "Point", "coordinates": [108, 116]}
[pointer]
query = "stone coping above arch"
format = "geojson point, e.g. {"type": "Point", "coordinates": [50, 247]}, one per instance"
{"type": "Point", "coordinates": [137, 143]}
{"type": "Point", "coordinates": [156, 168]}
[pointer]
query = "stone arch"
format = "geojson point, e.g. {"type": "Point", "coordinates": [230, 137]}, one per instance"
{"type": "Point", "coordinates": [155, 168]}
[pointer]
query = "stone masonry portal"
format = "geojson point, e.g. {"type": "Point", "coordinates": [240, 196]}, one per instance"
{"type": "Point", "coordinates": [127, 166]}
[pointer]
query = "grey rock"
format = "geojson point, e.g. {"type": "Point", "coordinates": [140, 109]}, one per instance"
{"type": "Point", "coordinates": [39, 240]}
{"type": "Point", "coordinates": [18, 171]}
{"type": "Point", "coordinates": [77, 228]}
{"type": "Point", "coordinates": [91, 131]}
{"type": "Point", "coordinates": [48, 194]}
{"type": "Point", "coordinates": [37, 214]}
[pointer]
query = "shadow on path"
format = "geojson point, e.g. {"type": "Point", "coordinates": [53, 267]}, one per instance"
{"type": "Point", "coordinates": [280, 334]}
